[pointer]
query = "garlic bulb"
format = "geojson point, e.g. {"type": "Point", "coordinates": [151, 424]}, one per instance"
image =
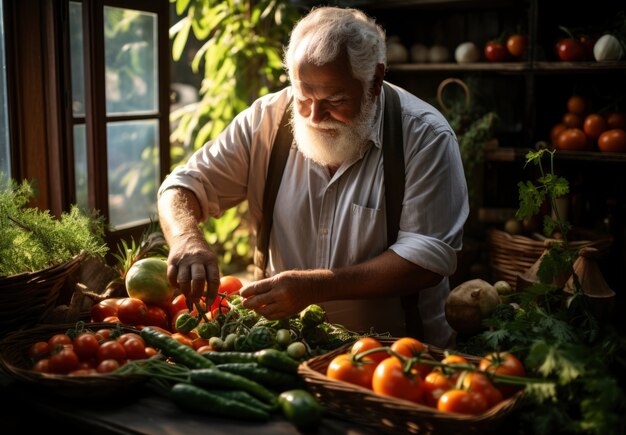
{"type": "Point", "coordinates": [467, 52]}
{"type": "Point", "coordinates": [607, 47]}
{"type": "Point", "coordinates": [438, 53]}
{"type": "Point", "coordinates": [419, 53]}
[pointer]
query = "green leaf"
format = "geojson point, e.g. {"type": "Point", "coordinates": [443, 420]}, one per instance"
{"type": "Point", "coordinates": [181, 39]}
{"type": "Point", "coordinates": [181, 5]}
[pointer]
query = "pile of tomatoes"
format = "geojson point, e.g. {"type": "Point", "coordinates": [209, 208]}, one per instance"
{"type": "Point", "coordinates": [406, 370]}
{"type": "Point", "coordinates": [136, 312]}
{"type": "Point", "coordinates": [581, 129]}
{"type": "Point", "coordinates": [88, 353]}
{"type": "Point", "coordinates": [510, 48]}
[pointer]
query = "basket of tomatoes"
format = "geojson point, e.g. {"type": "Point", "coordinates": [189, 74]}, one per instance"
{"type": "Point", "coordinates": [401, 385]}
{"type": "Point", "coordinates": [74, 360]}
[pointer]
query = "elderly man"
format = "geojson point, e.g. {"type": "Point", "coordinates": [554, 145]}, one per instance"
{"type": "Point", "coordinates": [328, 238]}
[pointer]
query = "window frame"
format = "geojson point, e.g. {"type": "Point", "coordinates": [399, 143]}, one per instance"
{"type": "Point", "coordinates": [40, 104]}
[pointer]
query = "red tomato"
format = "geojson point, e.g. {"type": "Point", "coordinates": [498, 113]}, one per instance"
{"type": "Point", "coordinates": [229, 284]}
{"type": "Point", "coordinates": [204, 349]}
{"type": "Point", "coordinates": [390, 380]}
{"type": "Point", "coordinates": [107, 366]}
{"type": "Point", "coordinates": [503, 363]}
{"type": "Point", "coordinates": [130, 336]}
{"type": "Point", "coordinates": [156, 316]}
{"type": "Point", "coordinates": [412, 347]}
{"type": "Point", "coordinates": [344, 368]}
{"type": "Point", "coordinates": [594, 125]}
{"type": "Point", "coordinates": [103, 334]}
{"type": "Point", "coordinates": [178, 303]}
{"type": "Point", "coordinates": [86, 345]}
{"type": "Point", "coordinates": [577, 104]}
{"type": "Point", "coordinates": [435, 384]}
{"type": "Point", "coordinates": [555, 131]}
{"type": "Point", "coordinates": [111, 350]}
{"type": "Point", "coordinates": [572, 139]}
{"type": "Point", "coordinates": [516, 45]}
{"type": "Point", "coordinates": [104, 308]}
{"type": "Point", "coordinates": [462, 402]}
{"type": "Point", "coordinates": [42, 366]}
{"type": "Point", "coordinates": [612, 141]}
{"type": "Point", "coordinates": [572, 120]}
{"type": "Point", "coordinates": [135, 348]}
{"type": "Point", "coordinates": [57, 341]}
{"type": "Point", "coordinates": [132, 311]}
{"type": "Point", "coordinates": [150, 351]}
{"type": "Point", "coordinates": [368, 343]}
{"type": "Point", "coordinates": [616, 120]}
{"type": "Point", "coordinates": [182, 339]}
{"type": "Point", "coordinates": [479, 383]}
{"type": "Point", "coordinates": [570, 50]}
{"type": "Point", "coordinates": [111, 319]}
{"type": "Point", "coordinates": [496, 52]}
{"type": "Point", "coordinates": [63, 361]}
{"type": "Point", "coordinates": [39, 350]}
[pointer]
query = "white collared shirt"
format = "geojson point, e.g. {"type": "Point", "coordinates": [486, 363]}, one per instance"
{"type": "Point", "coordinates": [329, 222]}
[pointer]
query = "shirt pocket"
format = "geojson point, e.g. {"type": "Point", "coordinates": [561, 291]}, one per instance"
{"type": "Point", "coordinates": [367, 232]}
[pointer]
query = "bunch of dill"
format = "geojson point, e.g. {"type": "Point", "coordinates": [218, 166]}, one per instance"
{"type": "Point", "coordinates": [32, 239]}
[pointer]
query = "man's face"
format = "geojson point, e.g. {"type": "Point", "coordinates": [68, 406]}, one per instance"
{"type": "Point", "coordinates": [333, 116]}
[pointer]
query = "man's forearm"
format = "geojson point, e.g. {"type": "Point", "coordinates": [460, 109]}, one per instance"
{"type": "Point", "coordinates": [385, 275]}
{"type": "Point", "coordinates": [179, 213]}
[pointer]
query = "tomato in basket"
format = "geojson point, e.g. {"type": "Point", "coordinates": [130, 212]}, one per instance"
{"type": "Point", "coordinates": [345, 368]}
{"type": "Point", "coordinates": [391, 379]}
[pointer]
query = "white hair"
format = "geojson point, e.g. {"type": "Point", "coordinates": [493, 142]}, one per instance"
{"type": "Point", "coordinates": [327, 31]}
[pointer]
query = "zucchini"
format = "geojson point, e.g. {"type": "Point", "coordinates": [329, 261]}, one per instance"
{"type": "Point", "coordinates": [277, 359]}
{"type": "Point", "coordinates": [196, 399]}
{"type": "Point", "coordinates": [230, 357]}
{"type": "Point", "coordinates": [181, 353]}
{"type": "Point", "coordinates": [216, 378]}
{"type": "Point", "coordinates": [267, 376]}
{"type": "Point", "coordinates": [245, 397]}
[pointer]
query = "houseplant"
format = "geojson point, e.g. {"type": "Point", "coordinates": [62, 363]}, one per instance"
{"type": "Point", "coordinates": [239, 59]}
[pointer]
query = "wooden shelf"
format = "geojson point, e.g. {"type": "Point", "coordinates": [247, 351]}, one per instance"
{"type": "Point", "coordinates": [451, 66]}
{"type": "Point", "coordinates": [516, 154]}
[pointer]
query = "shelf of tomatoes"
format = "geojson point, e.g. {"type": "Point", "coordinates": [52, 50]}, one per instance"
{"type": "Point", "coordinates": [406, 370]}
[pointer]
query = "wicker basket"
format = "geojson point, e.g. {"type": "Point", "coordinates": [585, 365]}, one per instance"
{"type": "Point", "coordinates": [512, 255]}
{"type": "Point", "coordinates": [392, 415]}
{"type": "Point", "coordinates": [14, 360]}
{"type": "Point", "coordinates": [27, 297]}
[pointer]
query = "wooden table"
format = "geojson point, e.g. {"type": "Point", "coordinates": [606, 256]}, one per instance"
{"type": "Point", "coordinates": [141, 412]}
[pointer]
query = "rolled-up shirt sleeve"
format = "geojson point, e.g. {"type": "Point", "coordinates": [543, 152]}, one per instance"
{"type": "Point", "coordinates": [435, 205]}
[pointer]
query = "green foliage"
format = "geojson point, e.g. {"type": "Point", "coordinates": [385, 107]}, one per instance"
{"type": "Point", "coordinates": [240, 59]}
{"type": "Point", "coordinates": [32, 239]}
{"type": "Point", "coordinates": [559, 339]}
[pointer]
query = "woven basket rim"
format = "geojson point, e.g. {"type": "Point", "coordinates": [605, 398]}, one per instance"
{"type": "Point", "coordinates": [13, 358]}
{"type": "Point", "coordinates": [50, 270]}
{"type": "Point", "coordinates": [388, 413]}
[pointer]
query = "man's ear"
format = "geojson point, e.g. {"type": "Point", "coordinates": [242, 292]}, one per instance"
{"type": "Point", "coordinates": [379, 75]}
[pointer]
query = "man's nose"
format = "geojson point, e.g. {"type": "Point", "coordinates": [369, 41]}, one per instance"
{"type": "Point", "coordinates": [319, 112]}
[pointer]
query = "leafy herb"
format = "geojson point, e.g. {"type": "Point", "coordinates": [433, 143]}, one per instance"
{"type": "Point", "coordinates": [32, 239]}
{"type": "Point", "coordinates": [559, 339]}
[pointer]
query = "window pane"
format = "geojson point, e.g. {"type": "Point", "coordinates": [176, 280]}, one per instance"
{"type": "Point", "coordinates": [80, 166]}
{"type": "Point", "coordinates": [76, 58]}
{"type": "Point", "coordinates": [5, 150]}
{"type": "Point", "coordinates": [130, 60]}
{"type": "Point", "coordinates": [133, 170]}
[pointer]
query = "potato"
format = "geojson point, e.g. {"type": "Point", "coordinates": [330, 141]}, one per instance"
{"type": "Point", "coordinates": [469, 303]}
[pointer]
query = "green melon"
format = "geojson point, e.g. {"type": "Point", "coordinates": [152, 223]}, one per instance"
{"type": "Point", "coordinates": [147, 280]}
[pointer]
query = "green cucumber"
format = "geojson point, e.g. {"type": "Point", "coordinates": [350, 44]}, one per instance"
{"type": "Point", "coordinates": [216, 378]}
{"type": "Point", "coordinates": [267, 376]}
{"type": "Point", "coordinates": [196, 399]}
{"type": "Point", "coordinates": [181, 353]}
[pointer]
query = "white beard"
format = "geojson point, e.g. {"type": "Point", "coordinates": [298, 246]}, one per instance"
{"type": "Point", "coordinates": [343, 143]}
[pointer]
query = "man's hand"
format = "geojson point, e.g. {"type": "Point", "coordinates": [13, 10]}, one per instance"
{"type": "Point", "coordinates": [192, 267]}
{"type": "Point", "coordinates": [280, 296]}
